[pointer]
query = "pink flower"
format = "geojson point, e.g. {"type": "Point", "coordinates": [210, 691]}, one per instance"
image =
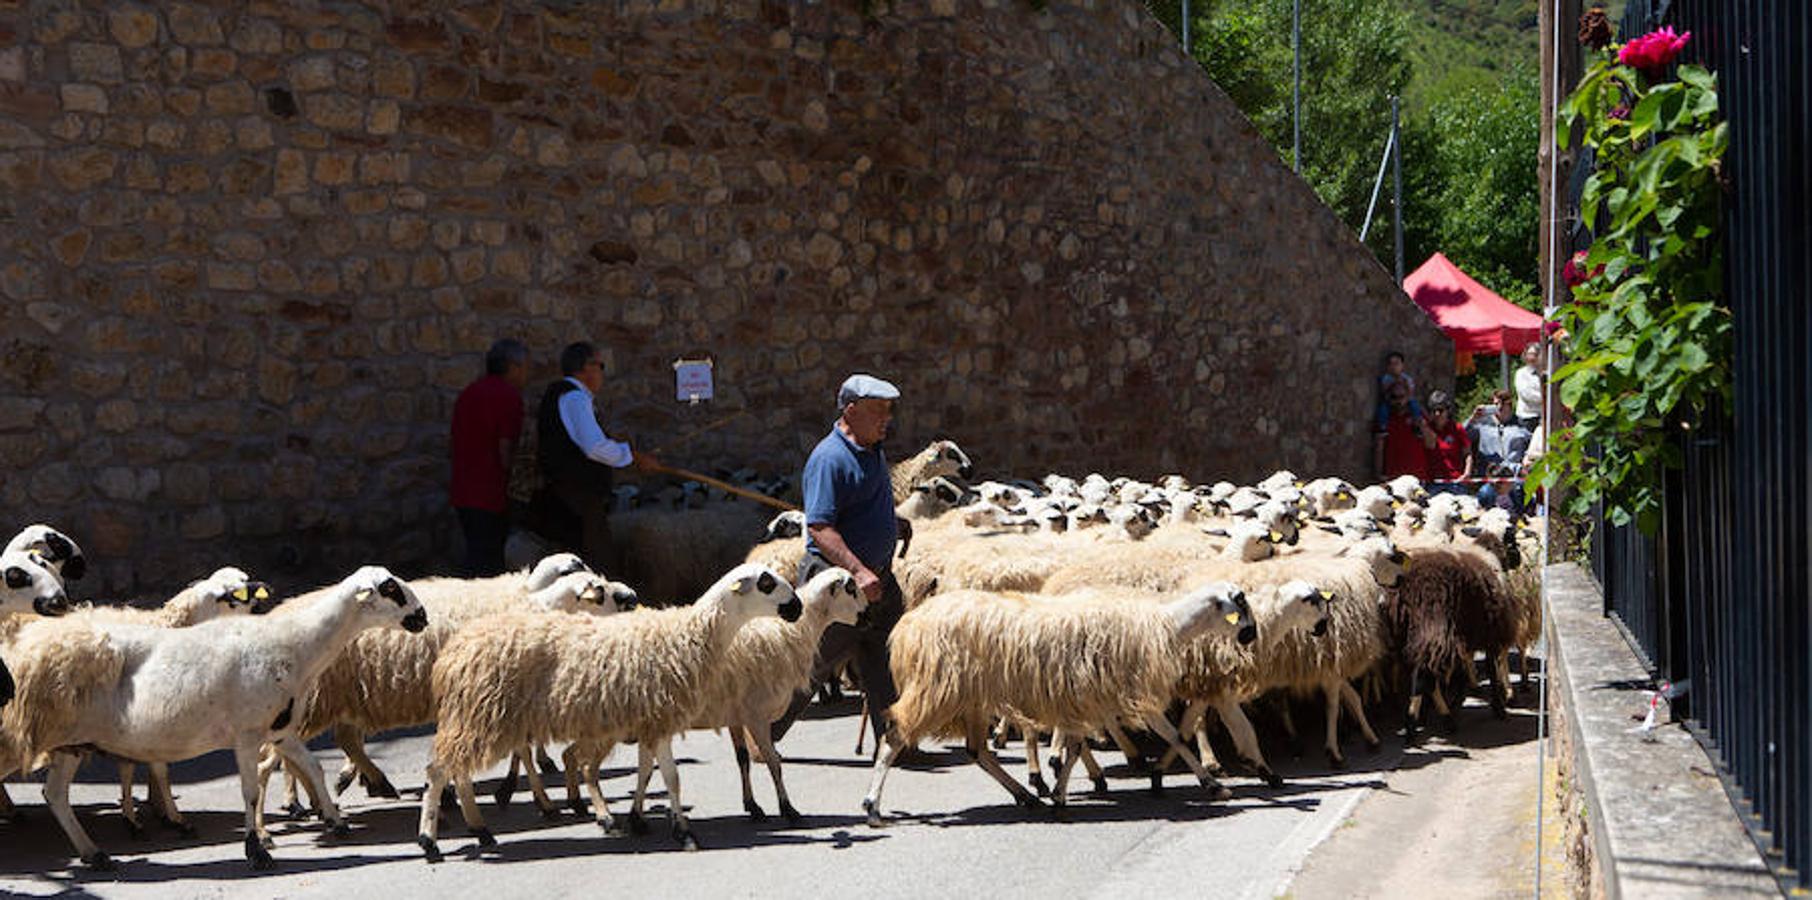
{"type": "Point", "coordinates": [1619, 113]}
{"type": "Point", "coordinates": [1652, 53]}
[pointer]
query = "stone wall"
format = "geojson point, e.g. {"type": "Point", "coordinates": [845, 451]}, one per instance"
{"type": "Point", "coordinates": [251, 251]}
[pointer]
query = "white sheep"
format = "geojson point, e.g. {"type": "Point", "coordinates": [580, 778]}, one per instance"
{"type": "Point", "coordinates": [382, 680]}
{"type": "Point", "coordinates": [28, 584]}
{"type": "Point", "coordinates": [1330, 495]}
{"type": "Point", "coordinates": [162, 694]}
{"type": "Point", "coordinates": [1407, 488]}
{"type": "Point", "coordinates": [513, 679]}
{"type": "Point", "coordinates": [1377, 500]}
{"type": "Point", "coordinates": [965, 658]}
{"type": "Point", "coordinates": [1281, 478]}
{"type": "Point", "coordinates": [58, 550]}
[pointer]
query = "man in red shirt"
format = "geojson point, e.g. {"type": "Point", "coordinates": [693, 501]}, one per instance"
{"type": "Point", "coordinates": [487, 421]}
{"type": "Point", "coordinates": [1397, 448]}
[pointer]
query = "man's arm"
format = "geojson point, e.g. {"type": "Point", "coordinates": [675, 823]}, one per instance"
{"type": "Point", "coordinates": [837, 553]}
{"type": "Point", "coordinates": [1378, 455]}
{"type": "Point", "coordinates": [582, 426]}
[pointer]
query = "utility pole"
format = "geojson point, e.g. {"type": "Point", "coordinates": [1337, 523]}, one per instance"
{"type": "Point", "coordinates": [1186, 28]}
{"type": "Point", "coordinates": [1396, 177]}
{"type": "Point", "coordinates": [1296, 89]}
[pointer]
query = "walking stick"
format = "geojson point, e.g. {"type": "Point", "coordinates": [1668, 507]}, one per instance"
{"type": "Point", "coordinates": [727, 487]}
{"type": "Point", "coordinates": [688, 438]}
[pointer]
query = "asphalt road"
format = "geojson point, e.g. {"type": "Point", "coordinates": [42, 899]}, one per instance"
{"type": "Point", "coordinates": [952, 830]}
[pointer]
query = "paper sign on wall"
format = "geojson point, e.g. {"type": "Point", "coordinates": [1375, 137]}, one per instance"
{"type": "Point", "coordinates": [692, 380]}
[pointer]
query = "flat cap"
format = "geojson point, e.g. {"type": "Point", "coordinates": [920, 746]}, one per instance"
{"type": "Point", "coordinates": [865, 387]}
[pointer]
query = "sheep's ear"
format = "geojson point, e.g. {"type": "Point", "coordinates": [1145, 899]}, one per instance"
{"type": "Point", "coordinates": [1217, 532]}
{"type": "Point", "coordinates": [1326, 595]}
{"type": "Point", "coordinates": [363, 595]}
{"type": "Point", "coordinates": [1299, 485]}
{"type": "Point", "coordinates": [744, 585]}
{"type": "Point", "coordinates": [1472, 531]}
{"type": "Point", "coordinates": [1342, 495]}
{"type": "Point", "coordinates": [1276, 537]}
{"type": "Point", "coordinates": [242, 594]}
{"type": "Point", "coordinates": [1329, 529]}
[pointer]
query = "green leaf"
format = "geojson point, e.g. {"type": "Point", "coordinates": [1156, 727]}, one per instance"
{"type": "Point", "coordinates": [1698, 77]}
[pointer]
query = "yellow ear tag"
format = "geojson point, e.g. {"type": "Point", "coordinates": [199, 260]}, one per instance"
{"type": "Point", "coordinates": [1326, 595]}
{"type": "Point", "coordinates": [363, 595]}
{"type": "Point", "coordinates": [1276, 538]}
{"type": "Point", "coordinates": [1233, 618]}
{"type": "Point", "coordinates": [240, 595]}
{"type": "Point", "coordinates": [263, 593]}
{"type": "Point", "coordinates": [1396, 504]}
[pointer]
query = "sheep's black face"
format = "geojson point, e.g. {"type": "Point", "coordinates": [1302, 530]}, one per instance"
{"type": "Point", "coordinates": [1248, 633]}
{"type": "Point", "coordinates": [393, 591]}
{"type": "Point", "coordinates": [54, 605]}
{"type": "Point", "coordinates": [766, 583]}
{"type": "Point", "coordinates": [625, 598]}
{"type": "Point", "coordinates": [416, 622]}
{"type": "Point", "coordinates": [792, 609]}
{"type": "Point", "coordinates": [263, 598]}
{"type": "Point", "coordinates": [17, 578]}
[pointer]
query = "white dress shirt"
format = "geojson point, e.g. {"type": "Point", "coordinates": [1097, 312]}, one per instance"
{"type": "Point", "coordinates": [581, 423]}
{"type": "Point", "coordinates": [1528, 393]}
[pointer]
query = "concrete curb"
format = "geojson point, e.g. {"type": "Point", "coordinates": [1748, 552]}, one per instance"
{"type": "Point", "coordinates": [1660, 822]}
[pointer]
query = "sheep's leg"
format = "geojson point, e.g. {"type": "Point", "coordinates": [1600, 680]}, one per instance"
{"type": "Point", "coordinates": [741, 745]}
{"type": "Point", "coordinates": [1245, 739]}
{"type": "Point", "coordinates": [644, 769]}
{"type": "Point", "coordinates": [246, 753]}
{"type": "Point", "coordinates": [429, 827]}
{"type": "Point", "coordinates": [1500, 683]}
{"type": "Point", "coordinates": [594, 757]}
{"type": "Point", "coordinates": [468, 810]}
{"type": "Point", "coordinates": [887, 748]}
{"type": "Point", "coordinates": [977, 743]}
{"type": "Point", "coordinates": [158, 785]}
{"type": "Point", "coordinates": [545, 761]}
{"type": "Point", "coordinates": [7, 810]}
{"type": "Point", "coordinates": [1439, 697]}
{"type": "Point", "coordinates": [296, 754]}
{"type": "Point", "coordinates": [764, 742]}
{"type": "Point", "coordinates": [352, 742]}
{"type": "Point", "coordinates": [1070, 753]}
{"type": "Point", "coordinates": [128, 808]}
{"type": "Point", "coordinates": [1332, 699]}
{"type": "Point", "coordinates": [1168, 732]}
{"type": "Point", "coordinates": [676, 811]}
{"type": "Point", "coordinates": [862, 725]}
{"type": "Point", "coordinates": [1288, 721]}
{"type": "Point", "coordinates": [1001, 729]}
{"type": "Point", "coordinates": [1127, 748]}
{"type": "Point", "coordinates": [536, 786]}
{"type": "Point", "coordinates": [507, 787]}
{"type": "Point", "coordinates": [571, 769]}
{"type": "Point", "coordinates": [56, 795]}
{"type": "Point", "coordinates": [1035, 775]}
{"type": "Point", "coordinates": [1195, 722]}
{"type": "Point", "coordinates": [1356, 709]}
{"type": "Point", "coordinates": [1095, 777]}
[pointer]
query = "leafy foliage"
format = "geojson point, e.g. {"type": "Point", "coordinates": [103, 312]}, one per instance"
{"type": "Point", "coordinates": [1650, 336]}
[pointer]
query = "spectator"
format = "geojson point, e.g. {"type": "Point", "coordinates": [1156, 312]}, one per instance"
{"type": "Point", "coordinates": [1529, 381]}
{"type": "Point", "coordinates": [1397, 448]}
{"type": "Point", "coordinates": [487, 422]}
{"type": "Point", "coordinates": [1501, 442]}
{"type": "Point", "coordinates": [1394, 374]}
{"type": "Point", "coordinates": [1448, 448]}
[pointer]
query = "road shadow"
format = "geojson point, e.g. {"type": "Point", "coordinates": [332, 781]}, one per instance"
{"type": "Point", "coordinates": [724, 833]}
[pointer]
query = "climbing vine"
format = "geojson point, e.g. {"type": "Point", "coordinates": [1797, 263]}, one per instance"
{"type": "Point", "coordinates": [1649, 333]}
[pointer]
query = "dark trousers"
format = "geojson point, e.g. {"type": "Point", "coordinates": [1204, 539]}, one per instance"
{"type": "Point", "coordinates": [485, 533]}
{"type": "Point", "coordinates": [594, 532]}
{"type": "Point", "coordinates": [865, 642]}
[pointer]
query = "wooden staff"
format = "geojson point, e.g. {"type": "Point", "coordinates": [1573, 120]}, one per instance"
{"type": "Point", "coordinates": [727, 487]}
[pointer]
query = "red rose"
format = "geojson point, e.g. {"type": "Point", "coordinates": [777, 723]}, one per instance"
{"type": "Point", "coordinates": [1652, 53]}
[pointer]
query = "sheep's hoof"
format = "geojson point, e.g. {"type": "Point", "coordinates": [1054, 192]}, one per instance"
{"type": "Point", "coordinates": [340, 829]}
{"type": "Point", "coordinates": [267, 842]}
{"type": "Point", "coordinates": [687, 842]}
{"type": "Point", "coordinates": [134, 829]}
{"type": "Point", "coordinates": [874, 814]}
{"type": "Point", "coordinates": [637, 824]}
{"type": "Point", "coordinates": [430, 850]}
{"type": "Point", "coordinates": [578, 806]}
{"type": "Point", "coordinates": [1271, 779]}
{"type": "Point", "coordinates": [295, 811]}
{"type": "Point", "coordinates": [1028, 801]}
{"type": "Point", "coordinates": [344, 781]}
{"type": "Point", "coordinates": [484, 837]}
{"type": "Point", "coordinates": [1373, 744]}
{"type": "Point", "coordinates": [379, 789]}
{"type": "Point", "coordinates": [790, 813]}
{"type": "Point", "coordinates": [1100, 785]}
{"type": "Point", "coordinates": [1036, 781]}
{"type": "Point", "coordinates": [613, 826]}
{"type": "Point", "coordinates": [254, 851]}
{"type": "Point", "coordinates": [1217, 791]}
{"type": "Point", "coordinates": [180, 826]}
{"type": "Point", "coordinates": [504, 792]}
{"type": "Point", "coordinates": [1056, 762]}
{"type": "Point", "coordinates": [99, 861]}
{"type": "Point", "coordinates": [1336, 761]}
{"type": "Point", "coordinates": [550, 812]}
{"type": "Point", "coordinates": [756, 813]}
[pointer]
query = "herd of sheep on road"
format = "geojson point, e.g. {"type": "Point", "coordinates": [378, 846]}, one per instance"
{"type": "Point", "coordinates": [1073, 611]}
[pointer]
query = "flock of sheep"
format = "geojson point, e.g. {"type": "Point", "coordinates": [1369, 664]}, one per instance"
{"type": "Point", "coordinates": [1061, 610]}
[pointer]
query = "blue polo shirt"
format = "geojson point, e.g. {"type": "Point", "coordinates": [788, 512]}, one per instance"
{"type": "Point", "coordinates": [849, 489]}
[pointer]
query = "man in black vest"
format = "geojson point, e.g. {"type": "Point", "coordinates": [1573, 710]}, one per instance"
{"type": "Point", "coordinates": [577, 458]}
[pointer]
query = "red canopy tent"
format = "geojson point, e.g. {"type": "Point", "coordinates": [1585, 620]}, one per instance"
{"type": "Point", "coordinates": [1474, 318]}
